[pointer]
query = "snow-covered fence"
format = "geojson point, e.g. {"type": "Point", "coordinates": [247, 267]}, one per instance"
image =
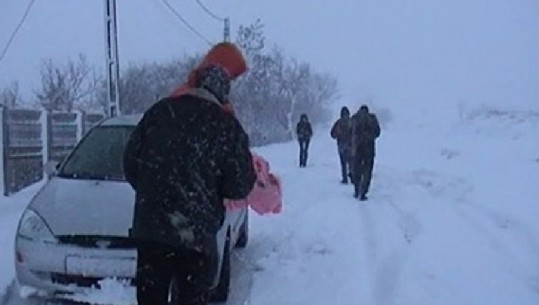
{"type": "Point", "coordinates": [30, 138]}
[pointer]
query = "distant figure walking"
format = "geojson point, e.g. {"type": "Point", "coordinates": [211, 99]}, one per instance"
{"type": "Point", "coordinates": [365, 131]}
{"type": "Point", "coordinates": [342, 132]}
{"type": "Point", "coordinates": [304, 133]}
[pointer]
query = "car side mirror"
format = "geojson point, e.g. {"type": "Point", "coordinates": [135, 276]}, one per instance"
{"type": "Point", "coordinates": [51, 168]}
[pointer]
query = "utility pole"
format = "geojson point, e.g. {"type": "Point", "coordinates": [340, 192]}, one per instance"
{"type": "Point", "coordinates": [227, 30]}
{"type": "Point", "coordinates": [113, 69]}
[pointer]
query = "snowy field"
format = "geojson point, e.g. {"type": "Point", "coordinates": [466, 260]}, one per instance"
{"type": "Point", "coordinates": [451, 219]}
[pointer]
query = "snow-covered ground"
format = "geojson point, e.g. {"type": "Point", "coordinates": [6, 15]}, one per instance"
{"type": "Point", "coordinates": [11, 209]}
{"type": "Point", "coordinates": [451, 219]}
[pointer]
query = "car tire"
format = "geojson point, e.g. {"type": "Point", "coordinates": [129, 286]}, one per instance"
{"type": "Point", "coordinates": [243, 237]}
{"type": "Point", "coordinates": [220, 293]}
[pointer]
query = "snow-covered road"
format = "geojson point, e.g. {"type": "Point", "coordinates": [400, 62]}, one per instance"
{"type": "Point", "coordinates": [451, 219]}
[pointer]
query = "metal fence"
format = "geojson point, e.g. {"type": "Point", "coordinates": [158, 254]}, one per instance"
{"type": "Point", "coordinates": [30, 138]}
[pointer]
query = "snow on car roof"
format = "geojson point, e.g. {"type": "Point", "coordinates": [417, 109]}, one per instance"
{"type": "Point", "coordinates": [122, 120]}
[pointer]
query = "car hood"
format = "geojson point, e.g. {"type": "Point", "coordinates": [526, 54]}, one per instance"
{"type": "Point", "coordinates": [86, 207]}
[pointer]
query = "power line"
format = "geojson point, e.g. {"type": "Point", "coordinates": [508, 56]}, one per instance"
{"type": "Point", "coordinates": [226, 21]}
{"type": "Point", "coordinates": [17, 28]}
{"type": "Point", "coordinates": [187, 24]}
{"type": "Point", "coordinates": [209, 12]}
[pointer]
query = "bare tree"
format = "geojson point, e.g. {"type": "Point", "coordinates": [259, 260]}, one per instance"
{"type": "Point", "coordinates": [289, 82]}
{"type": "Point", "coordinates": [96, 100]}
{"type": "Point", "coordinates": [276, 90]}
{"type": "Point", "coordinates": [63, 88]}
{"type": "Point", "coordinates": [322, 91]}
{"type": "Point", "coordinates": [251, 38]}
{"type": "Point", "coordinates": [141, 85]}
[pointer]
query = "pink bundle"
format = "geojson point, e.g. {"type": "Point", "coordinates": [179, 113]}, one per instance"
{"type": "Point", "coordinates": [266, 196]}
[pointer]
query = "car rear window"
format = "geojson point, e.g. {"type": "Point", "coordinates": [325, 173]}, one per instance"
{"type": "Point", "coordinates": [99, 155]}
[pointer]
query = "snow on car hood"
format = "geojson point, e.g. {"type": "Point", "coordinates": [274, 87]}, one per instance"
{"type": "Point", "coordinates": [86, 207]}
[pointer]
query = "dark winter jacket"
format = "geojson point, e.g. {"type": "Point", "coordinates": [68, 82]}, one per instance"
{"type": "Point", "coordinates": [185, 156]}
{"type": "Point", "coordinates": [365, 131]}
{"type": "Point", "coordinates": [304, 130]}
{"type": "Point", "coordinates": [342, 132]}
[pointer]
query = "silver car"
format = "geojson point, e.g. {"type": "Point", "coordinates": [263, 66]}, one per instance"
{"type": "Point", "coordinates": [74, 232]}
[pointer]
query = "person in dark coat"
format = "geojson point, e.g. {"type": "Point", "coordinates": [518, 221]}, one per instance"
{"type": "Point", "coordinates": [304, 133]}
{"type": "Point", "coordinates": [185, 156]}
{"type": "Point", "coordinates": [365, 131]}
{"type": "Point", "coordinates": [342, 132]}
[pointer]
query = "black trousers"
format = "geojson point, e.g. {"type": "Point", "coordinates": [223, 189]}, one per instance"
{"type": "Point", "coordinates": [303, 151]}
{"type": "Point", "coordinates": [158, 265]}
{"type": "Point", "coordinates": [344, 157]}
{"type": "Point", "coordinates": [363, 165]}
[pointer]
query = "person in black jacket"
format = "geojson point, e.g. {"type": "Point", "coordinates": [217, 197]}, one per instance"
{"type": "Point", "coordinates": [184, 157]}
{"type": "Point", "coordinates": [342, 132]}
{"type": "Point", "coordinates": [365, 131]}
{"type": "Point", "coordinates": [304, 132]}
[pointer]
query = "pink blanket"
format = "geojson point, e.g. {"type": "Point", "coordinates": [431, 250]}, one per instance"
{"type": "Point", "coordinates": [266, 196]}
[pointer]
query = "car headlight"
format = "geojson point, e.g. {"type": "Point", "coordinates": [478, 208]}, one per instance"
{"type": "Point", "coordinates": [33, 227]}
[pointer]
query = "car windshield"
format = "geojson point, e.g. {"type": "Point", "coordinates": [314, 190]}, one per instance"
{"type": "Point", "coordinates": [99, 155]}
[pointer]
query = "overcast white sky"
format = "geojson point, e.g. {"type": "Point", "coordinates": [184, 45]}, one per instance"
{"type": "Point", "coordinates": [400, 52]}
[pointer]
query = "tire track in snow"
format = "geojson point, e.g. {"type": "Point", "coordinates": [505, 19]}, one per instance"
{"type": "Point", "coordinates": [371, 249]}
{"type": "Point", "coordinates": [479, 226]}
{"type": "Point", "coordinates": [509, 224]}
{"type": "Point", "coordinates": [488, 220]}
{"type": "Point", "coordinates": [529, 277]}
{"type": "Point", "coordinates": [410, 225]}
{"type": "Point", "coordinates": [368, 235]}
{"type": "Point", "coordinates": [390, 267]}
{"type": "Point", "coordinates": [386, 266]}
{"type": "Point", "coordinates": [436, 187]}
{"type": "Point", "coordinates": [388, 276]}
{"type": "Point", "coordinates": [457, 190]}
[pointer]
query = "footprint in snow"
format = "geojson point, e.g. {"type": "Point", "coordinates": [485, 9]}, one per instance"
{"type": "Point", "coordinates": [439, 185]}
{"type": "Point", "coordinates": [411, 227]}
{"type": "Point", "coordinates": [449, 153]}
{"type": "Point", "coordinates": [318, 249]}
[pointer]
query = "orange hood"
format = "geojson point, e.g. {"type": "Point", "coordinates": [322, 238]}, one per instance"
{"type": "Point", "coordinates": [228, 56]}
{"type": "Point", "coordinates": [224, 54]}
